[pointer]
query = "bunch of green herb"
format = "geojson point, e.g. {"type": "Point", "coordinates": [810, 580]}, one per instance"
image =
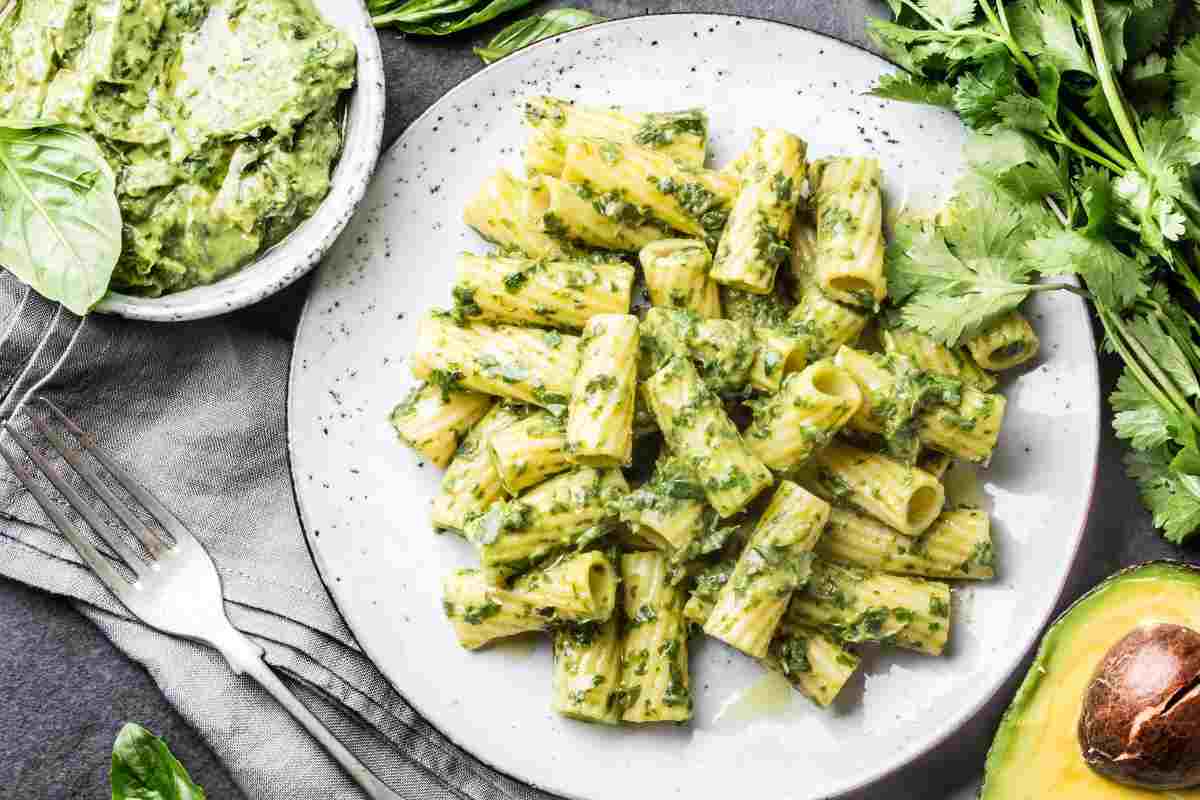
{"type": "Point", "coordinates": [1086, 119]}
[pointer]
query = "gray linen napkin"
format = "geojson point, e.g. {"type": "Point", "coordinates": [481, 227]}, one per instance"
{"type": "Point", "coordinates": [197, 410]}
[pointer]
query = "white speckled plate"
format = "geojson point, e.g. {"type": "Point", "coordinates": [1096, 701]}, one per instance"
{"type": "Point", "coordinates": [364, 497]}
{"type": "Point", "coordinates": [284, 263]}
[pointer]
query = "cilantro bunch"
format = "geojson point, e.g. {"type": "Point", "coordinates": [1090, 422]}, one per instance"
{"type": "Point", "coordinates": [1082, 161]}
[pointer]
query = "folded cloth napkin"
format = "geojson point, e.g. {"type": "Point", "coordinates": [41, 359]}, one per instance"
{"type": "Point", "coordinates": [197, 411]}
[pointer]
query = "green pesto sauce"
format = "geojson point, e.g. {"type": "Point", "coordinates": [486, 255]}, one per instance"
{"type": "Point", "coordinates": [219, 118]}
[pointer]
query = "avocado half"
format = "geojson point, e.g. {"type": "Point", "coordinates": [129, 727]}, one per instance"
{"type": "Point", "coordinates": [1036, 753]}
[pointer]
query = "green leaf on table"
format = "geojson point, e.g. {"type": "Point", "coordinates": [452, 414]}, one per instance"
{"type": "Point", "coordinates": [532, 29]}
{"type": "Point", "coordinates": [60, 230]}
{"type": "Point", "coordinates": [1139, 418]}
{"type": "Point", "coordinates": [439, 17]}
{"type": "Point", "coordinates": [144, 769]}
{"type": "Point", "coordinates": [1172, 497]}
{"type": "Point", "coordinates": [1018, 164]}
{"type": "Point", "coordinates": [1114, 279]}
{"type": "Point", "coordinates": [909, 88]}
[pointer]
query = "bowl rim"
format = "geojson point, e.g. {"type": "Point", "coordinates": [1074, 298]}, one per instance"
{"type": "Point", "coordinates": [301, 250]}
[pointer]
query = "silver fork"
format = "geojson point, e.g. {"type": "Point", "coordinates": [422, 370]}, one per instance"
{"type": "Point", "coordinates": [174, 586]}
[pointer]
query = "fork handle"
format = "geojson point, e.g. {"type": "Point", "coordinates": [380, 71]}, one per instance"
{"type": "Point", "coordinates": [246, 658]}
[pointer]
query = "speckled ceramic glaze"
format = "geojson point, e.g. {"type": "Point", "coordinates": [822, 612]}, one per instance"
{"type": "Point", "coordinates": [303, 248]}
{"type": "Point", "coordinates": [364, 497]}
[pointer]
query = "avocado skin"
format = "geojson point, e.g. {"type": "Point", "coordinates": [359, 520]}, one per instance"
{"type": "Point", "coordinates": [1008, 770]}
{"type": "Point", "coordinates": [1141, 718]}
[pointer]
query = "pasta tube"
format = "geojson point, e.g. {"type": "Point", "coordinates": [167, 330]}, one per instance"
{"type": "Point", "coordinates": [904, 497]}
{"type": "Point", "coordinates": [935, 463]}
{"type": "Point", "coordinates": [682, 135]}
{"type": "Point", "coordinates": [803, 417]}
{"type": "Point", "coordinates": [544, 155]}
{"type": "Point", "coordinates": [957, 545]}
{"type": "Point", "coordinates": [697, 430]}
{"type": "Point", "coordinates": [802, 260]}
{"type": "Point", "coordinates": [432, 419]}
{"type": "Point", "coordinates": [561, 294]}
{"type": "Point", "coordinates": [500, 212]}
{"type": "Point", "coordinates": [755, 242]}
{"type": "Point", "coordinates": [654, 671]}
{"type": "Point", "coordinates": [1008, 343]}
{"type": "Point", "coordinates": [722, 350]}
{"type": "Point", "coordinates": [815, 664]}
{"type": "Point", "coordinates": [770, 360]}
{"type": "Point", "coordinates": [676, 272]}
{"type": "Point", "coordinates": [856, 605]}
{"type": "Point", "coordinates": [822, 326]}
{"type": "Point", "coordinates": [587, 671]}
{"type": "Point", "coordinates": [961, 421]}
{"type": "Point", "coordinates": [849, 207]}
{"type": "Point", "coordinates": [773, 565]}
{"type": "Point", "coordinates": [691, 200]}
{"type": "Point", "coordinates": [707, 588]}
{"type": "Point", "coordinates": [515, 535]}
{"type": "Point", "coordinates": [522, 364]}
{"type": "Point", "coordinates": [669, 510]}
{"type": "Point", "coordinates": [572, 213]}
{"type": "Point", "coordinates": [600, 414]}
{"type": "Point", "coordinates": [931, 355]}
{"type": "Point", "coordinates": [578, 589]}
{"type": "Point", "coordinates": [471, 483]}
{"type": "Point", "coordinates": [759, 310]}
{"type": "Point", "coordinates": [530, 451]}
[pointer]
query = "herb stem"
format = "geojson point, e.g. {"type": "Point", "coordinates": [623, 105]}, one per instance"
{"type": "Point", "coordinates": [1139, 362]}
{"type": "Point", "coordinates": [1099, 141]}
{"type": "Point", "coordinates": [1111, 92]}
{"type": "Point", "coordinates": [1058, 138]}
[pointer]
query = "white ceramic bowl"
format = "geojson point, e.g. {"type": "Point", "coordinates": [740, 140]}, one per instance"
{"type": "Point", "coordinates": [304, 247]}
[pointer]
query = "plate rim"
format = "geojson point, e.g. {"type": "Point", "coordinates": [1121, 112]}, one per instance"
{"type": "Point", "coordinates": [961, 718]}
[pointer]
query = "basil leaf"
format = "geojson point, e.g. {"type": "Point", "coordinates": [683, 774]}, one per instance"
{"type": "Point", "coordinates": [532, 29]}
{"type": "Point", "coordinates": [144, 769]}
{"type": "Point", "coordinates": [439, 17]}
{"type": "Point", "coordinates": [60, 226]}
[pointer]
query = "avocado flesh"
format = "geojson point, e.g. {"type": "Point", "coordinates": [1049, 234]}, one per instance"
{"type": "Point", "coordinates": [1036, 754]}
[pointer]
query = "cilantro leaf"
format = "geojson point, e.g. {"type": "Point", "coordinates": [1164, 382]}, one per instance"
{"type": "Point", "coordinates": [950, 13]}
{"type": "Point", "coordinates": [977, 93]}
{"type": "Point", "coordinates": [1046, 28]}
{"type": "Point", "coordinates": [957, 279]}
{"type": "Point", "coordinates": [1185, 70]}
{"type": "Point", "coordinates": [1139, 418]}
{"type": "Point", "coordinates": [1148, 27]}
{"type": "Point", "coordinates": [1172, 497]}
{"type": "Point", "coordinates": [1094, 187]}
{"type": "Point", "coordinates": [1113, 17]}
{"type": "Point", "coordinates": [909, 88]}
{"type": "Point", "coordinates": [1018, 164]}
{"type": "Point", "coordinates": [1165, 353]}
{"type": "Point", "coordinates": [1114, 279]}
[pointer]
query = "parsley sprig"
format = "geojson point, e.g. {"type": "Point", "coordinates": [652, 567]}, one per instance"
{"type": "Point", "coordinates": [1082, 161]}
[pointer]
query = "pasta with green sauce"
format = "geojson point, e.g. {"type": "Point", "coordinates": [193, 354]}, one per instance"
{"type": "Point", "coordinates": [673, 402]}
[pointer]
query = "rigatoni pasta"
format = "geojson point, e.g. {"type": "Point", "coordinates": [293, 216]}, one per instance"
{"type": "Point", "coordinates": [697, 430]}
{"type": "Point", "coordinates": [849, 209]}
{"type": "Point", "coordinates": [560, 294]}
{"type": "Point", "coordinates": [600, 414]}
{"type": "Point", "coordinates": [522, 364]}
{"type": "Point", "coordinates": [433, 419]}
{"type": "Point", "coordinates": [774, 563]}
{"type": "Point", "coordinates": [796, 509]}
{"type": "Point", "coordinates": [676, 273]}
{"type": "Point", "coordinates": [755, 241]}
{"type": "Point", "coordinates": [655, 684]}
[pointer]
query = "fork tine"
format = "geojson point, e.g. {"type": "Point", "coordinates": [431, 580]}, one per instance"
{"type": "Point", "coordinates": [87, 551]}
{"type": "Point", "coordinates": [163, 515]}
{"type": "Point", "coordinates": [114, 539]}
{"type": "Point", "coordinates": [149, 539]}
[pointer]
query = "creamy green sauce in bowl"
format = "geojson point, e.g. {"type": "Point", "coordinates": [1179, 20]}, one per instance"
{"type": "Point", "coordinates": [221, 119]}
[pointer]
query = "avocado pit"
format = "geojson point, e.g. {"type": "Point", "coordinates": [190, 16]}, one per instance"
{"type": "Point", "coordinates": [1140, 723]}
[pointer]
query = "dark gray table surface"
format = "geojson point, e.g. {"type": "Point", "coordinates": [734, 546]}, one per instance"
{"type": "Point", "coordinates": [66, 690]}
